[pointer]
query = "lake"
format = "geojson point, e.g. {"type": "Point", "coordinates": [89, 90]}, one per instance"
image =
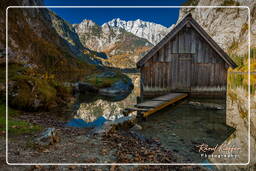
{"type": "Point", "coordinates": [183, 127]}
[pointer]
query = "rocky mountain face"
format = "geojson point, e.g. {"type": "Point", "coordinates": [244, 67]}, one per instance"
{"type": "Point", "coordinates": [122, 47]}
{"type": "Point", "coordinates": [65, 30]}
{"type": "Point", "coordinates": [148, 30]}
{"type": "Point", "coordinates": [39, 38]}
{"type": "Point", "coordinates": [68, 33]}
{"type": "Point", "coordinates": [228, 27]}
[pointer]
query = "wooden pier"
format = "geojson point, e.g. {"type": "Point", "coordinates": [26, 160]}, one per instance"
{"type": "Point", "coordinates": [151, 106]}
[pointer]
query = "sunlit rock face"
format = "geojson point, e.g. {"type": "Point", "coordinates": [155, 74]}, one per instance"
{"type": "Point", "coordinates": [148, 30]}
{"type": "Point", "coordinates": [95, 37]}
{"type": "Point", "coordinates": [228, 27]}
{"type": "Point", "coordinates": [238, 117]}
{"type": "Point", "coordinates": [125, 42]}
{"type": "Point", "coordinates": [122, 47]}
{"type": "Point", "coordinates": [110, 31]}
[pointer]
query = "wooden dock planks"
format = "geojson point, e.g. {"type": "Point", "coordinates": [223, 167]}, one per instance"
{"type": "Point", "coordinates": [165, 104]}
{"type": "Point", "coordinates": [151, 106]}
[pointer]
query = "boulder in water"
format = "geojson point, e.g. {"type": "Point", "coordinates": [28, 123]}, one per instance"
{"type": "Point", "coordinates": [136, 127]}
{"type": "Point", "coordinates": [211, 106]}
{"type": "Point", "coordinates": [118, 88]}
{"type": "Point", "coordinates": [47, 137]}
{"type": "Point", "coordinates": [123, 122]}
{"type": "Point", "coordinates": [86, 87]}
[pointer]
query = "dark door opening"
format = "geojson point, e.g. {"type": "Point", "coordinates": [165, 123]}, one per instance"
{"type": "Point", "coordinates": [181, 72]}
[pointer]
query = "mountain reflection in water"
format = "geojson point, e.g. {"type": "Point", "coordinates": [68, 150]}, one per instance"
{"type": "Point", "coordinates": [182, 127]}
{"type": "Point", "coordinates": [91, 107]}
{"type": "Point", "coordinates": [80, 123]}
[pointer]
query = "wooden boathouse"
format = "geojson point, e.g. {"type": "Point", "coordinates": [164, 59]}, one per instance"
{"type": "Point", "coordinates": [186, 60]}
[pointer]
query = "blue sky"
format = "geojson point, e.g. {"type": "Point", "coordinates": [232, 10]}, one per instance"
{"type": "Point", "coordinates": [166, 17]}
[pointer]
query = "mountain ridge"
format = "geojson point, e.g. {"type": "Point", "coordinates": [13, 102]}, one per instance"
{"type": "Point", "coordinates": [122, 47]}
{"type": "Point", "coordinates": [151, 31]}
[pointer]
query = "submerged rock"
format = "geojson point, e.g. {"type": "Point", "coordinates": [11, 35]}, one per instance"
{"type": "Point", "coordinates": [86, 87]}
{"type": "Point", "coordinates": [123, 122]}
{"type": "Point", "coordinates": [136, 127]}
{"type": "Point", "coordinates": [47, 137]}
{"type": "Point", "coordinates": [110, 84]}
{"type": "Point", "coordinates": [139, 136]}
{"type": "Point", "coordinates": [118, 88]}
{"type": "Point", "coordinates": [211, 106]}
{"type": "Point", "coordinates": [105, 128]}
{"type": "Point", "coordinates": [2, 53]}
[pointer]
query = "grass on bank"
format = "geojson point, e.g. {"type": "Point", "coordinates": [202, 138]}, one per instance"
{"type": "Point", "coordinates": [15, 127]}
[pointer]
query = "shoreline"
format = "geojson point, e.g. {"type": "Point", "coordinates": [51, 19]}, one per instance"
{"type": "Point", "coordinates": [116, 146]}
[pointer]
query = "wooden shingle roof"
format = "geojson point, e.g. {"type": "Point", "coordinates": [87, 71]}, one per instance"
{"type": "Point", "coordinates": [187, 19]}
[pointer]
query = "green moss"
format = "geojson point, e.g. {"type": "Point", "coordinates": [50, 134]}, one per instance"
{"type": "Point", "coordinates": [15, 127]}
{"type": "Point", "coordinates": [244, 28]}
{"type": "Point", "coordinates": [232, 96]}
{"type": "Point", "coordinates": [47, 91]}
{"type": "Point", "coordinates": [29, 90]}
{"type": "Point", "coordinates": [239, 60]}
{"type": "Point", "coordinates": [253, 52]}
{"type": "Point", "coordinates": [234, 45]}
{"type": "Point", "coordinates": [237, 80]}
{"type": "Point", "coordinates": [13, 70]}
{"type": "Point", "coordinates": [23, 99]}
{"type": "Point", "coordinates": [29, 86]}
{"type": "Point", "coordinates": [103, 82]}
{"type": "Point", "coordinates": [242, 60]}
{"type": "Point", "coordinates": [63, 91]}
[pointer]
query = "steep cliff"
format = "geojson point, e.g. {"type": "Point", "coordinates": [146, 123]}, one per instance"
{"type": "Point", "coordinates": [68, 33]}
{"type": "Point", "coordinates": [227, 26]}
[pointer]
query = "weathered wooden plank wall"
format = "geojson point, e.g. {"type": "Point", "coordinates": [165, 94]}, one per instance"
{"type": "Point", "coordinates": [186, 63]}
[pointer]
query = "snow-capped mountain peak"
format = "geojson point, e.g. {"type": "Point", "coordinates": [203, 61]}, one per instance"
{"type": "Point", "coordinates": [148, 30]}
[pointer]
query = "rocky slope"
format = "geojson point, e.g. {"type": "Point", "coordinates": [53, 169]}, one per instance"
{"type": "Point", "coordinates": [228, 27]}
{"type": "Point", "coordinates": [65, 30]}
{"type": "Point", "coordinates": [148, 30]}
{"type": "Point", "coordinates": [35, 39]}
{"type": "Point", "coordinates": [43, 53]}
{"type": "Point", "coordinates": [68, 33]}
{"type": "Point", "coordinates": [122, 47]}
